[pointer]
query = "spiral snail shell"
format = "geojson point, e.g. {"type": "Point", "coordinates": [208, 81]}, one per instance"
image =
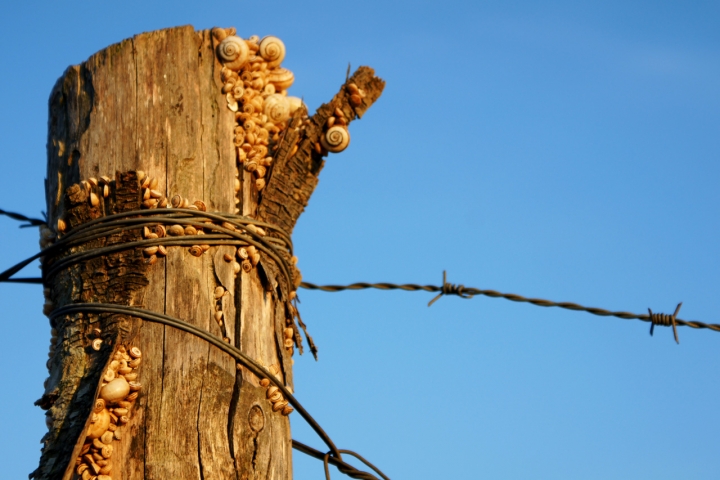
{"type": "Point", "coordinates": [336, 139]}
{"type": "Point", "coordinates": [272, 50]}
{"type": "Point", "coordinates": [282, 78]}
{"type": "Point", "coordinates": [294, 103]}
{"type": "Point", "coordinates": [277, 108]}
{"type": "Point", "coordinates": [233, 51]}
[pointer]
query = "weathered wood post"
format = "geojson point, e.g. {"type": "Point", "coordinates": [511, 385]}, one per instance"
{"type": "Point", "coordinates": [199, 121]}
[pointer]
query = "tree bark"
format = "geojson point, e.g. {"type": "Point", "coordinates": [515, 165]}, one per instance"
{"type": "Point", "coordinates": [154, 103]}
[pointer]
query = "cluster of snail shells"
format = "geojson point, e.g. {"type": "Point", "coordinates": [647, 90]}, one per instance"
{"type": "Point", "coordinates": [118, 392]}
{"type": "Point", "coordinates": [275, 397]}
{"type": "Point", "coordinates": [289, 339]}
{"type": "Point", "coordinates": [255, 87]}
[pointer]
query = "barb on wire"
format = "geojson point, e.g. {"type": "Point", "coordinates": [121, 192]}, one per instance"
{"type": "Point", "coordinates": [468, 292]}
{"type": "Point", "coordinates": [32, 222]}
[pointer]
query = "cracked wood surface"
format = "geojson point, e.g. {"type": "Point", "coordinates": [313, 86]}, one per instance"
{"type": "Point", "coordinates": [154, 103]}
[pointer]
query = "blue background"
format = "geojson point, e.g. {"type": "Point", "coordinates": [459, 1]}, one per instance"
{"type": "Point", "coordinates": [558, 149]}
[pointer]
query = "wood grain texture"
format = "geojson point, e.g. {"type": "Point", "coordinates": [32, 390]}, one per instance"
{"type": "Point", "coordinates": [154, 103]}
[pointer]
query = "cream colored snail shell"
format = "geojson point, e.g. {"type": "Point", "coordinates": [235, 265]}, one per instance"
{"type": "Point", "coordinates": [277, 108]}
{"type": "Point", "coordinates": [282, 78]}
{"type": "Point", "coordinates": [196, 250]}
{"type": "Point", "coordinates": [99, 405]}
{"type": "Point", "coordinates": [279, 405]}
{"type": "Point", "coordinates": [295, 103]}
{"type": "Point", "coordinates": [272, 50]}
{"type": "Point", "coordinates": [287, 410]}
{"type": "Point", "coordinates": [264, 382]}
{"type": "Point", "coordinates": [100, 425]}
{"type": "Point", "coordinates": [115, 390]}
{"type": "Point", "coordinates": [336, 139]}
{"type": "Point", "coordinates": [176, 230]}
{"type": "Point", "coordinates": [135, 352]}
{"type": "Point", "coordinates": [97, 344]}
{"type": "Point", "coordinates": [233, 51]}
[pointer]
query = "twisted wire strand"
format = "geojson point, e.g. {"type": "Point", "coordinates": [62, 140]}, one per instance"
{"type": "Point", "coordinates": [469, 292]}
{"type": "Point", "coordinates": [31, 222]}
{"type": "Point", "coordinates": [247, 362]}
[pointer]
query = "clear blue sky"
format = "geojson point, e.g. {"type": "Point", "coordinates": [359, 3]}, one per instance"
{"type": "Point", "coordinates": [566, 150]}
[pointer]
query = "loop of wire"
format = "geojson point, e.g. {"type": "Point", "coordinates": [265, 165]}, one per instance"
{"type": "Point", "coordinates": [334, 455]}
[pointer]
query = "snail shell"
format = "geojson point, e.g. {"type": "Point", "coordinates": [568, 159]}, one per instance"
{"type": "Point", "coordinates": [196, 250]}
{"type": "Point", "coordinates": [336, 139]}
{"type": "Point", "coordinates": [219, 292]}
{"type": "Point", "coordinates": [275, 397]}
{"type": "Point", "coordinates": [107, 437]}
{"type": "Point", "coordinates": [271, 391]}
{"type": "Point", "coordinates": [135, 352]}
{"type": "Point", "coordinates": [61, 225]}
{"type": "Point", "coordinates": [264, 382]}
{"type": "Point", "coordinates": [100, 425]}
{"type": "Point", "coordinates": [295, 103]}
{"type": "Point", "coordinates": [115, 390]}
{"type": "Point", "coordinates": [289, 332]}
{"type": "Point", "coordinates": [99, 405]}
{"type": "Point", "coordinates": [287, 410]}
{"type": "Point", "coordinates": [282, 78]}
{"type": "Point", "coordinates": [176, 230]}
{"type": "Point", "coordinates": [272, 50]}
{"type": "Point", "coordinates": [200, 205]}
{"type": "Point", "coordinates": [97, 344]}
{"type": "Point", "coordinates": [277, 108]}
{"type": "Point", "coordinates": [233, 51]}
{"type": "Point", "coordinates": [176, 201]}
{"type": "Point", "coordinates": [279, 405]}
{"type": "Point", "coordinates": [246, 266]}
{"type": "Point", "coordinates": [94, 200]}
{"type": "Point", "coordinates": [190, 230]}
{"type": "Point", "coordinates": [288, 342]}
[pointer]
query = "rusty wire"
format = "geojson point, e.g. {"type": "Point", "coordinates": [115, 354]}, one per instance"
{"type": "Point", "coordinates": [469, 292]}
{"type": "Point", "coordinates": [334, 455]}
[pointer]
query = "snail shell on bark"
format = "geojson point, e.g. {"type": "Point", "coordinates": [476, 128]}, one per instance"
{"type": "Point", "coordinates": [272, 50]}
{"type": "Point", "coordinates": [264, 382]}
{"type": "Point", "coordinates": [282, 78]}
{"type": "Point", "coordinates": [196, 250]}
{"type": "Point", "coordinates": [287, 410]}
{"type": "Point", "coordinates": [271, 391]}
{"type": "Point", "coordinates": [190, 230]}
{"type": "Point", "coordinates": [176, 230]}
{"type": "Point", "coordinates": [279, 405]}
{"type": "Point", "coordinates": [97, 344]}
{"type": "Point", "coordinates": [100, 425]}
{"type": "Point", "coordinates": [99, 405]}
{"type": "Point", "coordinates": [176, 201]}
{"type": "Point", "coordinates": [277, 108]}
{"type": "Point", "coordinates": [336, 139]}
{"type": "Point", "coordinates": [295, 103]}
{"type": "Point", "coordinates": [233, 51]}
{"type": "Point", "coordinates": [115, 390]}
{"type": "Point", "coordinates": [275, 397]}
{"type": "Point", "coordinates": [94, 200]}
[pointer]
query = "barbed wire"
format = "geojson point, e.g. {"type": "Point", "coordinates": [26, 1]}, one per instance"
{"type": "Point", "coordinates": [469, 292]}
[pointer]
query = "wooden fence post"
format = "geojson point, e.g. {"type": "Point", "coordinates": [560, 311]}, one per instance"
{"type": "Point", "coordinates": [177, 118]}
